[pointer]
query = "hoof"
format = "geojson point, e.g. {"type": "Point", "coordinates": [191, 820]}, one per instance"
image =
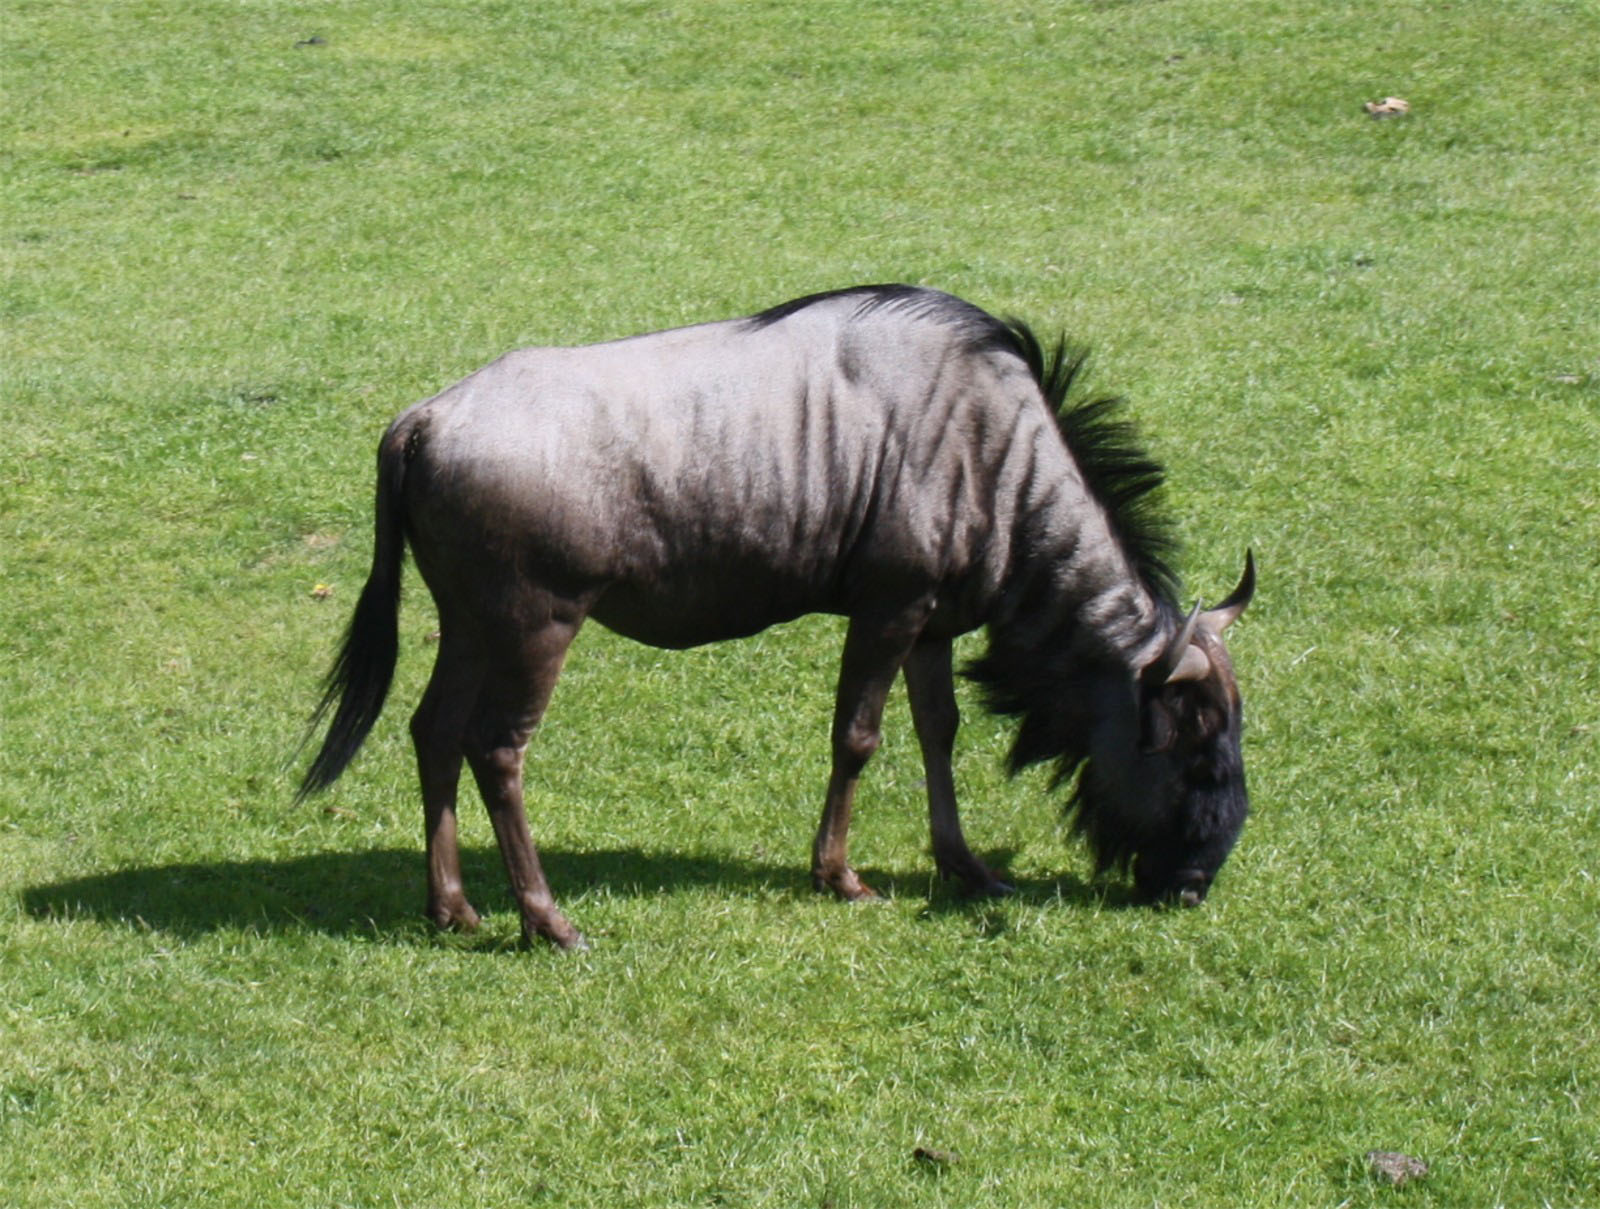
{"type": "Point", "coordinates": [977, 880]}
{"type": "Point", "coordinates": [555, 929]}
{"type": "Point", "coordinates": [993, 888]}
{"type": "Point", "coordinates": [454, 916]}
{"type": "Point", "coordinates": [847, 885]}
{"type": "Point", "coordinates": [570, 941]}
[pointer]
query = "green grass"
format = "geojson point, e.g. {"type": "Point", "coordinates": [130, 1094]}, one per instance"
{"type": "Point", "coordinates": [1370, 350]}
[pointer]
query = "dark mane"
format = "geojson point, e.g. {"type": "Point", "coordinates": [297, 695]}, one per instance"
{"type": "Point", "coordinates": [1045, 679]}
{"type": "Point", "coordinates": [1116, 466]}
{"type": "Point", "coordinates": [872, 295]}
{"type": "Point", "coordinates": [981, 329]}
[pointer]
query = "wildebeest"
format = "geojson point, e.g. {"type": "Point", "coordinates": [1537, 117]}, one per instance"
{"type": "Point", "coordinates": [890, 454]}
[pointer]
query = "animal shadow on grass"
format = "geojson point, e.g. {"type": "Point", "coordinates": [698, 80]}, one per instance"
{"type": "Point", "coordinates": [991, 914]}
{"type": "Point", "coordinates": [372, 891]}
{"type": "Point", "coordinates": [381, 890]}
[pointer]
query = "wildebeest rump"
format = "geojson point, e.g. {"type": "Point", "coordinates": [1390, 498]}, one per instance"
{"type": "Point", "coordinates": [887, 453]}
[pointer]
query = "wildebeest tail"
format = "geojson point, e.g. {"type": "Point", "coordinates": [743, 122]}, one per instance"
{"type": "Point", "coordinates": [364, 668]}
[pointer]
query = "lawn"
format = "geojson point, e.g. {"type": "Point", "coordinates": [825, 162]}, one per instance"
{"type": "Point", "coordinates": [239, 237]}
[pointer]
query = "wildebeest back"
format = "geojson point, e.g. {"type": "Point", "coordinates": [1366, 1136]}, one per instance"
{"type": "Point", "coordinates": [712, 480]}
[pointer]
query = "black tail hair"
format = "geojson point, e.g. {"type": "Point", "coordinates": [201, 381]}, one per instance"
{"type": "Point", "coordinates": [364, 668]}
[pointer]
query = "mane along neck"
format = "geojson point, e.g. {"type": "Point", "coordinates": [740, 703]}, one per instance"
{"type": "Point", "coordinates": [1056, 658]}
{"type": "Point", "coordinates": [1094, 595]}
{"type": "Point", "coordinates": [1117, 470]}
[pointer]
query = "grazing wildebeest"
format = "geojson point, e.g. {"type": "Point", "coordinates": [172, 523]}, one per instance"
{"type": "Point", "coordinates": [887, 453]}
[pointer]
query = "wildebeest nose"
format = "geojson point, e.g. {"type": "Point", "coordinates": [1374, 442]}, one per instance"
{"type": "Point", "coordinates": [1191, 889]}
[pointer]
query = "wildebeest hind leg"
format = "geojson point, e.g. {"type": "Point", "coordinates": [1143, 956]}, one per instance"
{"type": "Point", "coordinates": [436, 730]}
{"type": "Point", "coordinates": [931, 687]}
{"type": "Point", "coordinates": [872, 656]}
{"type": "Point", "coordinates": [513, 698]}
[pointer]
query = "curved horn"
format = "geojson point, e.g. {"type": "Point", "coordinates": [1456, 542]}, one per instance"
{"type": "Point", "coordinates": [1176, 662]}
{"type": "Point", "coordinates": [1225, 614]}
{"type": "Point", "coordinates": [1193, 664]}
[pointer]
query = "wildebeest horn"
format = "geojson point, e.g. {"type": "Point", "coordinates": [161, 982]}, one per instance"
{"type": "Point", "coordinates": [1193, 664]}
{"type": "Point", "coordinates": [1225, 614]}
{"type": "Point", "coordinates": [1182, 660]}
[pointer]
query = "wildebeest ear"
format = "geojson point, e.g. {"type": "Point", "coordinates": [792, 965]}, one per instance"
{"type": "Point", "coordinates": [1225, 614]}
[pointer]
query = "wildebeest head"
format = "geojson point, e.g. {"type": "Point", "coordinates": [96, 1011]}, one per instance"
{"type": "Point", "coordinates": [1163, 788]}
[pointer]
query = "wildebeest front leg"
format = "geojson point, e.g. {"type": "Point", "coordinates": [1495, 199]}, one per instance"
{"type": "Point", "coordinates": [873, 653]}
{"type": "Point", "coordinates": [930, 685]}
{"type": "Point", "coordinates": [509, 706]}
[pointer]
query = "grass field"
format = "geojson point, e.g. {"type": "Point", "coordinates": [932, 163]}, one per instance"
{"type": "Point", "coordinates": [238, 237]}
